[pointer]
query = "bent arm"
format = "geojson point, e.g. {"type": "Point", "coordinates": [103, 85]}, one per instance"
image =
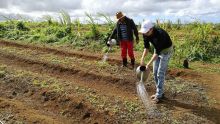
{"type": "Point", "coordinates": [154, 57]}
{"type": "Point", "coordinates": [113, 33]}
{"type": "Point", "coordinates": [145, 52]}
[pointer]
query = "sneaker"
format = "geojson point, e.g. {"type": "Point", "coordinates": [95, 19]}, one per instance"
{"type": "Point", "coordinates": [156, 100]}
{"type": "Point", "coordinates": [154, 96]}
{"type": "Point", "coordinates": [163, 96]}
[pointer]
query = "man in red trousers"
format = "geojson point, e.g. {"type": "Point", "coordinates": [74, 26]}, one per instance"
{"type": "Point", "coordinates": [125, 28]}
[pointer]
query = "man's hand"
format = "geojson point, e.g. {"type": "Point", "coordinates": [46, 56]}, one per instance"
{"type": "Point", "coordinates": [147, 66]}
{"type": "Point", "coordinates": [108, 43]}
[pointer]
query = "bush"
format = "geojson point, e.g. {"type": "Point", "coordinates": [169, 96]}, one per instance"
{"type": "Point", "coordinates": [51, 39]}
{"type": "Point", "coordinates": [60, 33]}
{"type": "Point", "coordinates": [201, 50]}
{"type": "Point", "coordinates": [68, 30]}
{"type": "Point", "coordinates": [12, 35]}
{"type": "Point", "coordinates": [1, 35]}
{"type": "Point", "coordinates": [50, 30]}
{"type": "Point", "coordinates": [20, 26]}
{"type": "Point", "coordinates": [34, 38]}
{"type": "Point", "coordinates": [2, 27]}
{"type": "Point", "coordinates": [92, 35]}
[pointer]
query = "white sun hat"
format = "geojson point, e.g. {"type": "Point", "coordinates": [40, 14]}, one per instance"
{"type": "Point", "coordinates": [146, 26]}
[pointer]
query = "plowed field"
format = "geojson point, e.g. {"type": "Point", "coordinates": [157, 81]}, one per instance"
{"type": "Point", "coordinates": [41, 84]}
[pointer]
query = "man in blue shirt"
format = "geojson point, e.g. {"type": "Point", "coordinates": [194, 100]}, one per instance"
{"type": "Point", "coordinates": [162, 43]}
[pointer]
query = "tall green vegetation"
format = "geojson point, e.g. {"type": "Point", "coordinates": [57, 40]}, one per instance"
{"type": "Point", "coordinates": [200, 43]}
{"type": "Point", "coordinates": [108, 20]}
{"type": "Point", "coordinates": [65, 18]}
{"type": "Point", "coordinates": [21, 26]}
{"type": "Point", "coordinates": [194, 41]}
{"type": "Point", "coordinates": [109, 23]}
{"type": "Point", "coordinates": [94, 32]}
{"type": "Point", "coordinates": [48, 18]}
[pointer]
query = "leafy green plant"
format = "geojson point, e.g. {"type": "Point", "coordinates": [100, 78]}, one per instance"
{"type": "Point", "coordinates": [94, 33]}
{"type": "Point", "coordinates": [60, 33]}
{"type": "Point", "coordinates": [12, 35]}
{"type": "Point", "coordinates": [195, 41]}
{"type": "Point", "coordinates": [48, 39]}
{"type": "Point", "coordinates": [65, 18]}
{"type": "Point", "coordinates": [177, 25]}
{"type": "Point", "coordinates": [35, 37]}
{"type": "Point", "coordinates": [48, 18]}
{"type": "Point", "coordinates": [68, 29]}
{"type": "Point", "coordinates": [56, 87]}
{"type": "Point", "coordinates": [131, 107]}
{"type": "Point", "coordinates": [109, 22]}
{"type": "Point", "coordinates": [199, 45]}
{"type": "Point", "coordinates": [50, 30]}
{"type": "Point", "coordinates": [2, 27]}
{"type": "Point", "coordinates": [165, 25]}
{"type": "Point", "coordinates": [20, 26]}
{"type": "Point", "coordinates": [2, 74]}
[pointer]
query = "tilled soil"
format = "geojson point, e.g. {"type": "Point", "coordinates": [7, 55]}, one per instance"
{"type": "Point", "coordinates": [50, 85]}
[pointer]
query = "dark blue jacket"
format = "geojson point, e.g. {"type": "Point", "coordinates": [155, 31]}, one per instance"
{"type": "Point", "coordinates": [131, 28]}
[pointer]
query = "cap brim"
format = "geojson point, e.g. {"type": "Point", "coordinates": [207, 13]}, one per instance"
{"type": "Point", "coordinates": [143, 30]}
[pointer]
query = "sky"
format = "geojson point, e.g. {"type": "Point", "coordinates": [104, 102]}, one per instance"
{"type": "Point", "coordinates": [138, 10]}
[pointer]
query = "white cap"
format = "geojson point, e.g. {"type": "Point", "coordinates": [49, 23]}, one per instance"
{"type": "Point", "coordinates": [146, 26]}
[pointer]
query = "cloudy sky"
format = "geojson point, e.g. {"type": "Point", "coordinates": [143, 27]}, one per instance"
{"type": "Point", "coordinates": [186, 10]}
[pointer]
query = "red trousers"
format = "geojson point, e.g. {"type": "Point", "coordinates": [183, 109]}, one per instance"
{"type": "Point", "coordinates": [127, 46]}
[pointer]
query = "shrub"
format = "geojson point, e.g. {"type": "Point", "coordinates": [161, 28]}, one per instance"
{"type": "Point", "coordinates": [50, 30]}
{"type": "Point", "coordinates": [12, 35]}
{"type": "Point", "coordinates": [2, 27]}
{"type": "Point", "coordinates": [60, 33]}
{"type": "Point", "coordinates": [51, 39]}
{"type": "Point", "coordinates": [68, 30]}
{"type": "Point", "coordinates": [20, 26]}
{"type": "Point", "coordinates": [34, 38]}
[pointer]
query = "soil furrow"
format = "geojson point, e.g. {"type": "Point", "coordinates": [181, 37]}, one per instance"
{"type": "Point", "coordinates": [11, 112]}
{"type": "Point", "coordinates": [70, 109]}
{"type": "Point", "coordinates": [59, 52]}
{"type": "Point", "coordinates": [108, 84]}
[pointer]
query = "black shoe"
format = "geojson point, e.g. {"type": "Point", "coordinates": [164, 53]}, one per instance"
{"type": "Point", "coordinates": [132, 63]}
{"type": "Point", "coordinates": [124, 62]}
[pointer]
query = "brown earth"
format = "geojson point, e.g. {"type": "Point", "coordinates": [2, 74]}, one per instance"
{"type": "Point", "coordinates": [84, 93]}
